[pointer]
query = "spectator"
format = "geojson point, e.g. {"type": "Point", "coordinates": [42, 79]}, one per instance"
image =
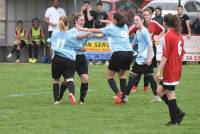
{"type": "Point", "coordinates": [196, 24]}
{"type": "Point", "coordinates": [100, 15]}
{"type": "Point", "coordinates": [89, 15]}
{"type": "Point", "coordinates": [36, 39]}
{"type": "Point", "coordinates": [52, 17]}
{"type": "Point", "coordinates": [158, 15]}
{"type": "Point", "coordinates": [20, 40]}
{"type": "Point", "coordinates": [185, 23]}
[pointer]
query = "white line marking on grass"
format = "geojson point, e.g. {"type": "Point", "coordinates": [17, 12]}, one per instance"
{"type": "Point", "coordinates": [27, 94]}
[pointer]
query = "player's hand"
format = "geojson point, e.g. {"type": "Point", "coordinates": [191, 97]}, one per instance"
{"type": "Point", "coordinates": [158, 76]}
{"type": "Point", "coordinates": [90, 34]}
{"type": "Point", "coordinates": [156, 38]}
{"type": "Point", "coordinates": [149, 60]}
{"type": "Point", "coordinates": [188, 36]}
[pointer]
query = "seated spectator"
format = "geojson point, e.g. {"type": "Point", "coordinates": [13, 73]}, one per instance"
{"type": "Point", "coordinates": [20, 40]}
{"type": "Point", "coordinates": [36, 39]}
{"type": "Point", "coordinates": [196, 24]}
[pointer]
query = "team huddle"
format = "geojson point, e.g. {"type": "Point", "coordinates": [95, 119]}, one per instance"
{"type": "Point", "coordinates": [68, 47]}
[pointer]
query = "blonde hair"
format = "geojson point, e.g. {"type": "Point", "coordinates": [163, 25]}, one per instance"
{"type": "Point", "coordinates": [63, 23]}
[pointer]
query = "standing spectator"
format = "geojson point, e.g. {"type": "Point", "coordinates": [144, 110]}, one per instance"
{"type": "Point", "coordinates": [196, 24]}
{"type": "Point", "coordinates": [100, 15]}
{"type": "Point", "coordinates": [20, 40]}
{"type": "Point", "coordinates": [89, 15]}
{"type": "Point", "coordinates": [185, 23]}
{"type": "Point", "coordinates": [36, 39]}
{"type": "Point", "coordinates": [52, 16]}
{"type": "Point", "coordinates": [158, 15]}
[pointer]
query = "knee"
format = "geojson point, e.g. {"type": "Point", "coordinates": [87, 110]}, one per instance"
{"type": "Point", "coordinates": [122, 74]}
{"type": "Point", "coordinates": [160, 90]}
{"type": "Point", "coordinates": [56, 81]}
{"type": "Point", "coordinates": [84, 78]}
{"type": "Point", "coordinates": [110, 74]}
{"type": "Point", "coordinates": [171, 95]}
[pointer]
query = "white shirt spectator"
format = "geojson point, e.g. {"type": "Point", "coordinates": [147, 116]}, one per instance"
{"type": "Point", "coordinates": [54, 14]}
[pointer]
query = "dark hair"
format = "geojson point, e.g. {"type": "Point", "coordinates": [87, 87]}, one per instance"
{"type": "Point", "coordinates": [35, 19]}
{"type": "Point", "coordinates": [86, 2]}
{"type": "Point", "coordinates": [181, 6]}
{"type": "Point", "coordinates": [99, 3]}
{"type": "Point", "coordinates": [52, 1]}
{"type": "Point", "coordinates": [120, 19]}
{"type": "Point", "coordinates": [173, 21]}
{"type": "Point", "coordinates": [140, 16]}
{"type": "Point", "coordinates": [152, 9]}
{"type": "Point", "coordinates": [158, 8]}
{"type": "Point", "coordinates": [19, 22]}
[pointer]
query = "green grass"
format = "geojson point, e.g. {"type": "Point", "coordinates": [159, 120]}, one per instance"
{"type": "Point", "coordinates": [26, 105]}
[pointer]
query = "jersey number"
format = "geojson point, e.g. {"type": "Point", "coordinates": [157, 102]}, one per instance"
{"type": "Point", "coordinates": [179, 48]}
{"type": "Point", "coordinates": [59, 44]}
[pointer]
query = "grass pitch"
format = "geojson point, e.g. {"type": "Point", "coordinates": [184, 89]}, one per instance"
{"type": "Point", "coordinates": [26, 105]}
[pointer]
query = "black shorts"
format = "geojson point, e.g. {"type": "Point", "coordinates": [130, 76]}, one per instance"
{"type": "Point", "coordinates": [142, 69]}
{"type": "Point", "coordinates": [120, 60]}
{"type": "Point", "coordinates": [62, 66]}
{"type": "Point", "coordinates": [168, 87]}
{"type": "Point", "coordinates": [81, 64]}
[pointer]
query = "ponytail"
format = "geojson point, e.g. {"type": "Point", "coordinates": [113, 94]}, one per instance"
{"type": "Point", "coordinates": [63, 23]}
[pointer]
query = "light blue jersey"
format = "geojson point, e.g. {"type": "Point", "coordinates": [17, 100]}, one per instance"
{"type": "Point", "coordinates": [76, 42]}
{"type": "Point", "coordinates": [143, 39]}
{"type": "Point", "coordinates": [61, 45]}
{"type": "Point", "coordinates": [118, 37]}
